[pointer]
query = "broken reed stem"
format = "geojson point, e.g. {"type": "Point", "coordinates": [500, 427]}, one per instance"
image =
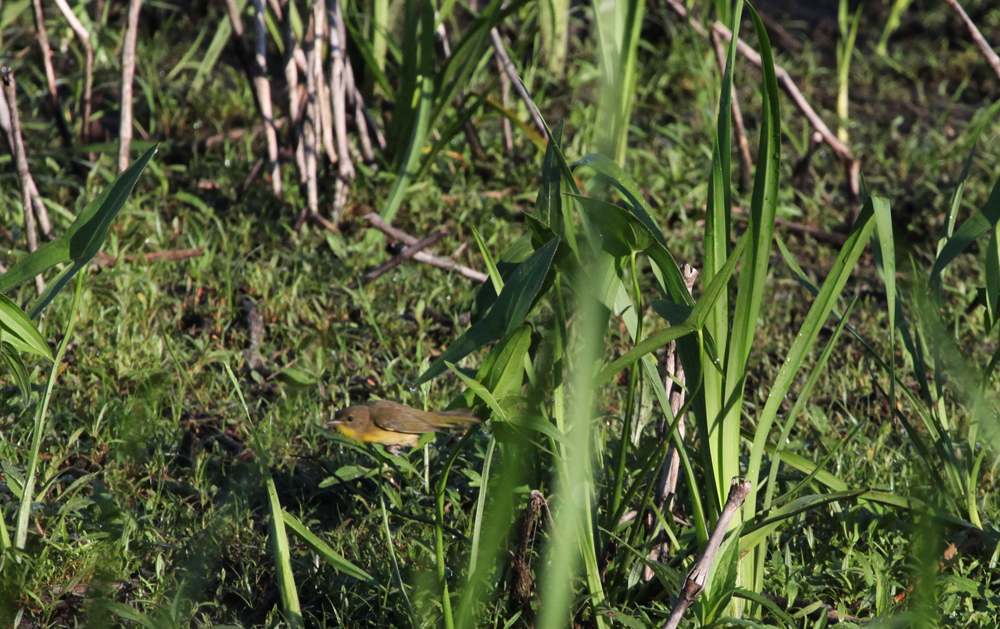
{"type": "Point", "coordinates": [128, 74]}
{"type": "Point", "coordinates": [24, 176]}
{"type": "Point", "coordinates": [511, 70]}
{"type": "Point", "coordinates": [746, 165]}
{"type": "Point", "coordinates": [264, 95]}
{"type": "Point", "coordinates": [88, 64]}
{"type": "Point", "coordinates": [311, 120]}
{"type": "Point", "coordinates": [695, 581]}
{"type": "Point", "coordinates": [427, 258]}
{"type": "Point", "coordinates": [984, 46]}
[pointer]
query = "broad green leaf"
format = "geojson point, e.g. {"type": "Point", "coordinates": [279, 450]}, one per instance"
{"type": "Point", "coordinates": [16, 366]}
{"type": "Point", "coordinates": [491, 266]}
{"type": "Point", "coordinates": [548, 203]}
{"type": "Point", "coordinates": [479, 391]}
{"type": "Point", "coordinates": [625, 227]}
{"type": "Point", "coordinates": [502, 370]}
{"type": "Point", "coordinates": [508, 311]}
{"type": "Point", "coordinates": [323, 549]}
{"type": "Point", "coordinates": [42, 259]}
{"type": "Point", "coordinates": [19, 331]}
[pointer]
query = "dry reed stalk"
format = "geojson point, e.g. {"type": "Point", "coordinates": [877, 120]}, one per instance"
{"type": "Point", "coordinates": [128, 74]}
{"type": "Point", "coordinates": [40, 210]}
{"type": "Point", "coordinates": [337, 34]}
{"type": "Point", "coordinates": [292, 52]}
{"type": "Point", "coordinates": [360, 116]}
{"type": "Point", "coordinates": [88, 64]}
{"type": "Point", "coordinates": [984, 46]}
{"type": "Point", "coordinates": [50, 74]}
{"type": "Point", "coordinates": [311, 119]}
{"type": "Point", "coordinates": [511, 70]}
{"type": "Point", "coordinates": [508, 133]}
{"type": "Point", "coordinates": [322, 86]}
{"type": "Point", "coordinates": [746, 165]}
{"type": "Point", "coordinates": [264, 95]}
{"type": "Point", "coordinates": [21, 159]}
{"type": "Point", "coordinates": [423, 256]}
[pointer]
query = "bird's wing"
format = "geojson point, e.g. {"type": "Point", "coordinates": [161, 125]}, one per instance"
{"type": "Point", "coordinates": [398, 418]}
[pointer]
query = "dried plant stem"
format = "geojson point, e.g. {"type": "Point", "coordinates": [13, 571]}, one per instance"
{"type": "Point", "coordinates": [407, 253]}
{"type": "Point", "coordinates": [88, 64]}
{"type": "Point", "coordinates": [50, 74]}
{"type": "Point", "coordinates": [263, 87]}
{"type": "Point", "coordinates": [696, 579]}
{"type": "Point", "coordinates": [21, 159]}
{"type": "Point", "coordinates": [310, 122]}
{"type": "Point", "coordinates": [337, 34]}
{"type": "Point", "coordinates": [322, 86]}
{"type": "Point", "coordinates": [508, 66]}
{"type": "Point", "coordinates": [41, 212]}
{"type": "Point", "coordinates": [984, 46]}
{"type": "Point", "coordinates": [508, 133]}
{"type": "Point", "coordinates": [360, 116]}
{"type": "Point", "coordinates": [128, 74]}
{"type": "Point", "coordinates": [746, 165]}
{"type": "Point", "coordinates": [292, 52]}
{"type": "Point", "coordinates": [427, 258]}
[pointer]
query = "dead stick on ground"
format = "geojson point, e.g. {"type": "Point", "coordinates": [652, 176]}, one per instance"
{"type": "Point", "coordinates": [984, 46]}
{"type": "Point", "coordinates": [842, 151]}
{"type": "Point", "coordinates": [400, 258]}
{"type": "Point", "coordinates": [511, 70]}
{"type": "Point", "coordinates": [746, 166]}
{"type": "Point", "coordinates": [128, 74]}
{"type": "Point", "coordinates": [427, 258]}
{"type": "Point", "coordinates": [264, 95]}
{"type": "Point", "coordinates": [10, 87]}
{"type": "Point", "coordinates": [695, 581]}
{"type": "Point", "coordinates": [88, 64]}
{"type": "Point", "coordinates": [174, 255]}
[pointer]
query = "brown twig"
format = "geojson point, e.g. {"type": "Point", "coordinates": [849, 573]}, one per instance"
{"type": "Point", "coordinates": [818, 234]}
{"type": "Point", "coordinates": [104, 260]}
{"type": "Point", "coordinates": [128, 74]}
{"type": "Point", "coordinates": [696, 578]}
{"type": "Point", "coordinates": [10, 87]}
{"type": "Point", "coordinates": [784, 80]}
{"type": "Point", "coordinates": [427, 258]}
{"type": "Point", "coordinates": [88, 64]}
{"type": "Point", "coordinates": [984, 46]}
{"type": "Point", "coordinates": [263, 87]}
{"type": "Point", "coordinates": [746, 165]}
{"type": "Point", "coordinates": [404, 255]}
{"type": "Point", "coordinates": [511, 70]}
{"type": "Point", "coordinates": [520, 594]}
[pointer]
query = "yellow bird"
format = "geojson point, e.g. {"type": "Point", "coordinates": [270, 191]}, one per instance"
{"type": "Point", "coordinates": [393, 424]}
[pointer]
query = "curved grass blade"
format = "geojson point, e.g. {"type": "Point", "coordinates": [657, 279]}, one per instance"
{"type": "Point", "coordinates": [321, 548]}
{"type": "Point", "coordinates": [19, 331]}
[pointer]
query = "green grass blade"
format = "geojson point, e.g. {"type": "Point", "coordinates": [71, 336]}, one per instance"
{"type": "Point", "coordinates": [321, 548]}
{"type": "Point", "coordinates": [974, 227]}
{"type": "Point", "coordinates": [276, 527]}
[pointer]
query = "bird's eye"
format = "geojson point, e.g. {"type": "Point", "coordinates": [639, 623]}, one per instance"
{"type": "Point", "coordinates": [350, 418]}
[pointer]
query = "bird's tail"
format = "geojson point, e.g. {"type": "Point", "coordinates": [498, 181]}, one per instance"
{"type": "Point", "coordinates": [459, 416]}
